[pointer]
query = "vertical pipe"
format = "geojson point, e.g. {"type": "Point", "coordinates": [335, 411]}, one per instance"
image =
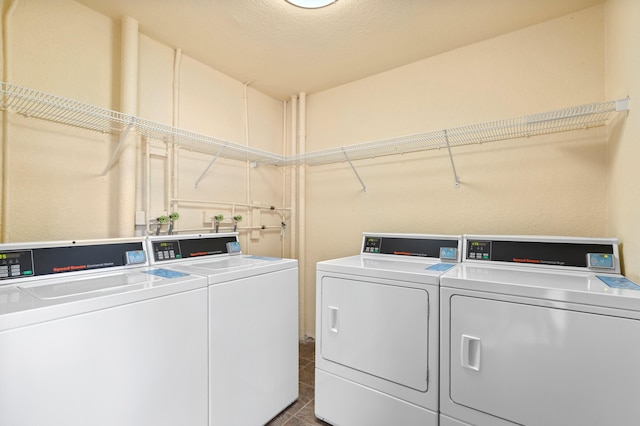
{"type": "Point", "coordinates": [6, 50]}
{"type": "Point", "coordinates": [284, 175]}
{"type": "Point", "coordinates": [302, 252]}
{"type": "Point", "coordinates": [294, 179]}
{"type": "Point", "coordinates": [294, 213]}
{"type": "Point", "coordinates": [173, 160]}
{"type": "Point", "coordinates": [248, 165]}
{"type": "Point", "coordinates": [129, 105]}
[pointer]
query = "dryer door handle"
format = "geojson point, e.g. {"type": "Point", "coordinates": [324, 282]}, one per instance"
{"type": "Point", "coordinates": [333, 319]}
{"type": "Point", "coordinates": [470, 352]}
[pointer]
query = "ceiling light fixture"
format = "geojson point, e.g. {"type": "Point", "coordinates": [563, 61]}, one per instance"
{"type": "Point", "coordinates": [311, 4]}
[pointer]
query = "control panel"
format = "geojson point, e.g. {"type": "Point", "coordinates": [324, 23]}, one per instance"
{"type": "Point", "coordinates": [433, 247]}
{"type": "Point", "coordinates": [56, 259]}
{"type": "Point", "coordinates": [16, 264]}
{"type": "Point", "coordinates": [588, 254]}
{"type": "Point", "coordinates": [185, 248]}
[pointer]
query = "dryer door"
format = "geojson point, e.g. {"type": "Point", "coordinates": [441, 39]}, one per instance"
{"type": "Point", "coordinates": [379, 329]}
{"type": "Point", "coordinates": [543, 366]}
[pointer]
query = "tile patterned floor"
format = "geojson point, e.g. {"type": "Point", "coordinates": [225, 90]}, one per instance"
{"type": "Point", "coordinates": [300, 413]}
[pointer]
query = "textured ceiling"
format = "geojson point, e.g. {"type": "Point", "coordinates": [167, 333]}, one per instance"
{"type": "Point", "coordinates": [286, 50]}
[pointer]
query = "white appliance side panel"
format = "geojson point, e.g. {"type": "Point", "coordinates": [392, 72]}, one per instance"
{"type": "Point", "coordinates": [541, 366]}
{"type": "Point", "coordinates": [144, 363]}
{"type": "Point", "coordinates": [253, 328]}
{"type": "Point", "coordinates": [345, 403]}
{"type": "Point", "coordinates": [379, 329]}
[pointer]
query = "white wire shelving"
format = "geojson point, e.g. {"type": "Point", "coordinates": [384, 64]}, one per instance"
{"type": "Point", "coordinates": [32, 103]}
{"type": "Point", "coordinates": [562, 120]}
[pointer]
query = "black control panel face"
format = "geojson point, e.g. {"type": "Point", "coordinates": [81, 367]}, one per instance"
{"type": "Point", "coordinates": [539, 252]}
{"type": "Point", "coordinates": [56, 260]}
{"type": "Point", "coordinates": [164, 250]}
{"type": "Point", "coordinates": [403, 246]}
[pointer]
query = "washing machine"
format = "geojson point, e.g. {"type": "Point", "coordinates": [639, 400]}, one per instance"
{"type": "Point", "coordinates": [90, 335]}
{"type": "Point", "coordinates": [539, 331]}
{"type": "Point", "coordinates": [377, 317]}
{"type": "Point", "coordinates": [253, 324]}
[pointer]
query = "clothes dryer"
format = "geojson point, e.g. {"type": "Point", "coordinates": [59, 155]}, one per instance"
{"type": "Point", "coordinates": [539, 331]}
{"type": "Point", "coordinates": [377, 331]}
{"type": "Point", "coordinates": [89, 335]}
{"type": "Point", "coordinates": [253, 324]}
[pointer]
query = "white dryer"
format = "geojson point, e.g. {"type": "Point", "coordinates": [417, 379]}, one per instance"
{"type": "Point", "coordinates": [89, 335]}
{"type": "Point", "coordinates": [539, 331]}
{"type": "Point", "coordinates": [377, 331]}
{"type": "Point", "coordinates": [253, 324]}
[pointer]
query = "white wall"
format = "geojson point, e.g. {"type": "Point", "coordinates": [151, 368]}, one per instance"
{"type": "Point", "coordinates": [623, 79]}
{"type": "Point", "coordinates": [544, 185]}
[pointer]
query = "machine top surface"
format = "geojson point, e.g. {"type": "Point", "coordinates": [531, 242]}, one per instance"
{"type": "Point", "coordinates": [580, 270]}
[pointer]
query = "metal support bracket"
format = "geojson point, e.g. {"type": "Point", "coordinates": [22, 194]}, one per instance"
{"type": "Point", "coordinates": [118, 150]}
{"type": "Point", "coordinates": [209, 166]}
{"type": "Point", "coordinates": [364, 188]}
{"type": "Point", "coordinates": [453, 166]}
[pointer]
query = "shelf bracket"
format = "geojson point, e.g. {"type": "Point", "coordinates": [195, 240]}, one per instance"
{"type": "Point", "coordinates": [118, 150]}
{"type": "Point", "coordinates": [209, 166]}
{"type": "Point", "coordinates": [453, 166]}
{"type": "Point", "coordinates": [364, 188]}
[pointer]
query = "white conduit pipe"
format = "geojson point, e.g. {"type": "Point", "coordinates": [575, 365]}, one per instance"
{"type": "Point", "coordinates": [173, 160]}
{"type": "Point", "coordinates": [147, 183]}
{"type": "Point", "coordinates": [246, 138]}
{"type": "Point", "coordinates": [294, 180]}
{"type": "Point", "coordinates": [284, 175]}
{"type": "Point", "coordinates": [128, 105]}
{"type": "Point", "coordinates": [302, 252]}
{"type": "Point", "coordinates": [232, 203]}
{"type": "Point", "coordinates": [294, 214]}
{"type": "Point", "coordinates": [6, 56]}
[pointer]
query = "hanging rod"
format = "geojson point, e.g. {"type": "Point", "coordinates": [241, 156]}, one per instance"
{"type": "Point", "coordinates": [31, 103]}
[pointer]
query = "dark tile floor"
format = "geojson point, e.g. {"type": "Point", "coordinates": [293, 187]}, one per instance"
{"type": "Point", "coordinates": [300, 413]}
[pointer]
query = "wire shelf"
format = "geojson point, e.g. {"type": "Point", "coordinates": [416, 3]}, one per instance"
{"type": "Point", "coordinates": [32, 103]}
{"type": "Point", "coordinates": [563, 120]}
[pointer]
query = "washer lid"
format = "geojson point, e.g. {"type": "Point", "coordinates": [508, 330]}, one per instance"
{"type": "Point", "coordinates": [219, 269]}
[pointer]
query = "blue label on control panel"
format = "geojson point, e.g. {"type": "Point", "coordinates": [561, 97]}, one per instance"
{"type": "Point", "coordinates": [619, 282]}
{"type": "Point", "coordinates": [166, 273]}
{"type": "Point", "coordinates": [440, 267]}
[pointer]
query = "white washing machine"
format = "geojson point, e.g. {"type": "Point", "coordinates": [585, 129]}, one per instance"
{"type": "Point", "coordinates": [253, 324]}
{"type": "Point", "coordinates": [539, 331]}
{"type": "Point", "coordinates": [89, 335]}
{"type": "Point", "coordinates": [377, 331]}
